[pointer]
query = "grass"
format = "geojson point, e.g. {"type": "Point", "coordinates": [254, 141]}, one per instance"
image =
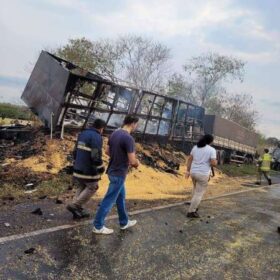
{"type": "Point", "coordinates": [52, 188]}
{"type": "Point", "coordinates": [10, 191]}
{"type": "Point", "coordinates": [234, 170]}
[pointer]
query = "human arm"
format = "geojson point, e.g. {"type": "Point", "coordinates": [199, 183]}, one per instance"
{"type": "Point", "coordinates": [189, 164]}
{"type": "Point", "coordinates": [213, 158]}
{"type": "Point", "coordinates": [96, 155]}
{"type": "Point", "coordinates": [107, 150]}
{"type": "Point", "coordinates": [133, 161]}
{"type": "Point", "coordinates": [131, 154]}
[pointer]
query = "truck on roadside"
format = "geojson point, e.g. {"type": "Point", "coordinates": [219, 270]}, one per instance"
{"type": "Point", "coordinates": [234, 143]}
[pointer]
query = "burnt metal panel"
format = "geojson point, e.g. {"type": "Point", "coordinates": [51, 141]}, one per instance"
{"type": "Point", "coordinates": [45, 89]}
{"type": "Point", "coordinates": [229, 130]}
{"type": "Point", "coordinates": [77, 97]}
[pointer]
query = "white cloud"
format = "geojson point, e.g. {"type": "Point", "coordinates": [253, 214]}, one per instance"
{"type": "Point", "coordinates": [26, 27]}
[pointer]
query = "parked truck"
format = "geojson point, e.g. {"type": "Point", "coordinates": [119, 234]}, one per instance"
{"type": "Point", "coordinates": [233, 142]}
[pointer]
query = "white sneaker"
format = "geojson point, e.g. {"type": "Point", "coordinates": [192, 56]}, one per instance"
{"type": "Point", "coordinates": [103, 230]}
{"type": "Point", "coordinates": [129, 224]}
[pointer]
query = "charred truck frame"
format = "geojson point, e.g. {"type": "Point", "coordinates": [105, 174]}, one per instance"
{"type": "Point", "coordinates": [62, 94]}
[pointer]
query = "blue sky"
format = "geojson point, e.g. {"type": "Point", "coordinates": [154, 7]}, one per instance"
{"type": "Point", "coordinates": [248, 29]}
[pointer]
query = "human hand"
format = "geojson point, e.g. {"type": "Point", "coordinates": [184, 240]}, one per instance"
{"type": "Point", "coordinates": [136, 164]}
{"type": "Point", "coordinates": [187, 175]}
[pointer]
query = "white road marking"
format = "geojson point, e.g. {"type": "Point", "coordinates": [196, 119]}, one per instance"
{"type": "Point", "coordinates": [14, 237]}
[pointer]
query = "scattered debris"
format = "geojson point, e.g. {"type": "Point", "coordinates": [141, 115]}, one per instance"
{"type": "Point", "coordinates": [166, 159]}
{"type": "Point", "coordinates": [58, 201]}
{"type": "Point", "coordinates": [30, 191]}
{"type": "Point", "coordinates": [49, 166]}
{"type": "Point", "coordinates": [29, 185]}
{"type": "Point", "coordinates": [37, 211]}
{"type": "Point", "coordinates": [8, 197]}
{"type": "Point", "coordinates": [7, 224]}
{"type": "Point", "coordinates": [43, 197]}
{"type": "Point", "coordinates": [29, 251]}
{"type": "Point", "coordinates": [166, 223]}
{"type": "Point", "coordinates": [180, 231]}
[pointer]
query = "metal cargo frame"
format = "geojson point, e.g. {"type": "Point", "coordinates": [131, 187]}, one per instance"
{"type": "Point", "coordinates": [63, 94]}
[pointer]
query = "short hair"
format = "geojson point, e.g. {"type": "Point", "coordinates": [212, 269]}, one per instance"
{"type": "Point", "coordinates": [266, 150]}
{"type": "Point", "coordinates": [99, 124]}
{"type": "Point", "coordinates": [129, 119]}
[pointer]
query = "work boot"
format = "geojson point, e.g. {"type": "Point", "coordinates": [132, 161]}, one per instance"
{"type": "Point", "coordinates": [269, 181]}
{"type": "Point", "coordinates": [78, 212]}
{"type": "Point", "coordinates": [193, 215]}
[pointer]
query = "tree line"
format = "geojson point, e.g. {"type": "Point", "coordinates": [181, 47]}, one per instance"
{"type": "Point", "coordinates": [146, 64]}
{"type": "Point", "coordinates": [12, 111]}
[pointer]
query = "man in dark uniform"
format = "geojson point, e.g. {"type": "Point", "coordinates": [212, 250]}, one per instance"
{"type": "Point", "coordinates": [88, 167]}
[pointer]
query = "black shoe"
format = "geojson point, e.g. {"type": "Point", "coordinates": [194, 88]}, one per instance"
{"type": "Point", "coordinates": [78, 213]}
{"type": "Point", "coordinates": [193, 215]}
{"type": "Point", "coordinates": [84, 213]}
{"type": "Point", "coordinates": [269, 181]}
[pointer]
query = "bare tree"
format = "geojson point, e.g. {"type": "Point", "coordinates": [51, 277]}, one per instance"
{"type": "Point", "coordinates": [235, 107]}
{"type": "Point", "coordinates": [209, 71]}
{"type": "Point", "coordinates": [142, 62]}
{"type": "Point", "coordinates": [178, 87]}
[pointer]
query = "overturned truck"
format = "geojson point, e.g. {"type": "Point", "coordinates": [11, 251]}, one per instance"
{"type": "Point", "coordinates": [62, 94]}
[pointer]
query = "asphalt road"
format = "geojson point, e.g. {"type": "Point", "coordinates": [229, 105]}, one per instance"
{"type": "Point", "coordinates": [236, 238]}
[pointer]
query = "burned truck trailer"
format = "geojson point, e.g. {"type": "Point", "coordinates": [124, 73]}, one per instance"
{"type": "Point", "coordinates": [62, 94]}
{"type": "Point", "coordinates": [233, 142]}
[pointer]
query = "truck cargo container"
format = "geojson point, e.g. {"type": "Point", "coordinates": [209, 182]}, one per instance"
{"type": "Point", "coordinates": [233, 142]}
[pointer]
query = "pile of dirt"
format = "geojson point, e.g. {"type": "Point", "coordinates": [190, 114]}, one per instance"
{"type": "Point", "coordinates": [35, 160]}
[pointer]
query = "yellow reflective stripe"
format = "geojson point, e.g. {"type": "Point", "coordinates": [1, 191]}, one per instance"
{"type": "Point", "coordinates": [100, 166]}
{"type": "Point", "coordinates": [82, 176]}
{"type": "Point", "coordinates": [81, 147]}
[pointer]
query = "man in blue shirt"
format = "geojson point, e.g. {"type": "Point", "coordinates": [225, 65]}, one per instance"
{"type": "Point", "coordinates": [121, 149]}
{"type": "Point", "coordinates": [88, 167]}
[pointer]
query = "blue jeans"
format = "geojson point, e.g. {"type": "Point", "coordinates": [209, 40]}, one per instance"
{"type": "Point", "coordinates": [115, 194]}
